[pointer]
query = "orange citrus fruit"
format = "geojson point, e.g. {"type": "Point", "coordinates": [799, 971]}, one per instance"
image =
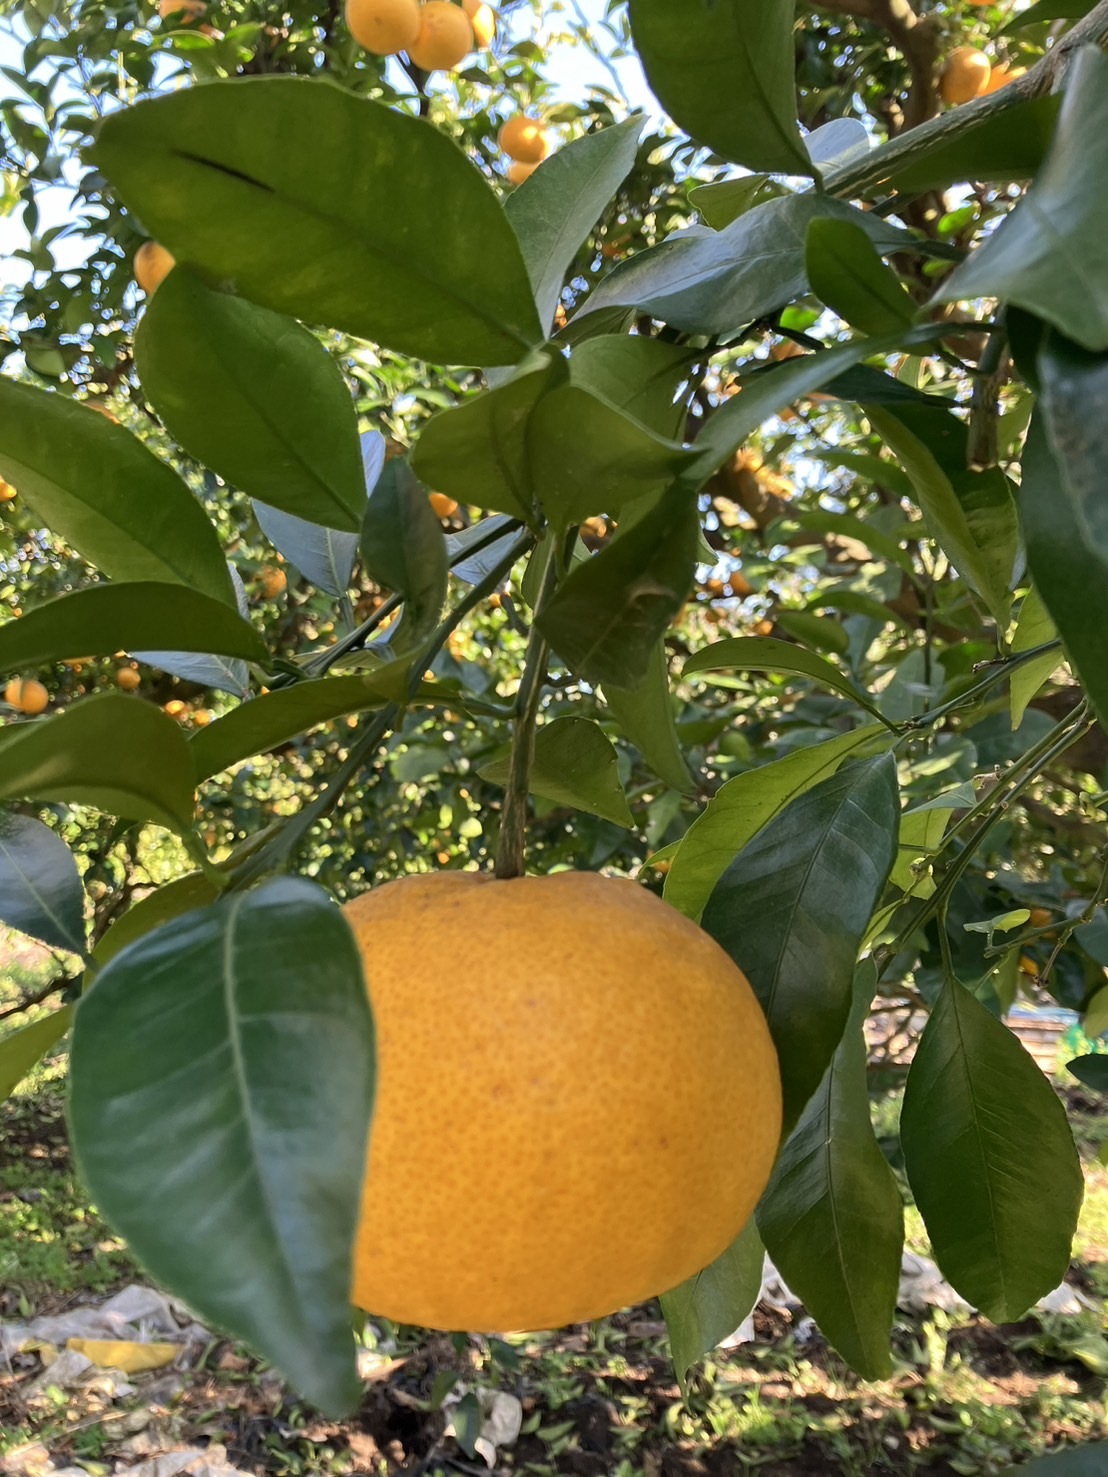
{"type": "Point", "coordinates": [482, 18]}
{"type": "Point", "coordinates": [445, 36]}
{"type": "Point", "coordinates": [740, 585]}
{"type": "Point", "coordinates": [273, 582]}
{"type": "Point", "coordinates": [1000, 76]}
{"type": "Point", "coordinates": [181, 12]}
{"type": "Point", "coordinates": [567, 1120]}
{"type": "Point", "coordinates": [7, 492]}
{"type": "Point", "coordinates": [28, 697]}
{"type": "Point", "coordinates": [965, 75]}
{"type": "Point", "coordinates": [175, 708]}
{"type": "Point", "coordinates": [128, 679]}
{"type": "Point", "coordinates": [443, 506]}
{"type": "Point", "coordinates": [383, 26]}
{"type": "Point", "coordinates": [518, 172]}
{"type": "Point", "coordinates": [524, 139]}
{"type": "Point", "coordinates": [153, 265]}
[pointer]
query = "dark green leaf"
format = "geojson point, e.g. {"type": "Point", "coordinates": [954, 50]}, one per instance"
{"type": "Point", "coordinates": [255, 397]}
{"type": "Point", "coordinates": [819, 631]}
{"type": "Point", "coordinates": [554, 210]}
{"type": "Point", "coordinates": [473, 568]}
{"type": "Point", "coordinates": [123, 756]}
{"type": "Point", "coordinates": [1074, 1461]}
{"type": "Point", "coordinates": [703, 1311]}
{"type": "Point", "coordinates": [1050, 255]}
{"type": "Point", "coordinates": [735, 815]}
{"type": "Point", "coordinates": [223, 674]}
{"type": "Point", "coordinates": [644, 713]}
{"type": "Point", "coordinates": [844, 525]}
{"type": "Point", "coordinates": [1035, 629]}
{"type": "Point", "coordinates": [847, 274]}
{"type": "Point", "coordinates": [794, 905]}
{"type": "Point", "coordinates": [182, 895]}
{"type": "Point", "coordinates": [718, 281]}
{"type": "Point", "coordinates": [222, 1081]}
{"type": "Point", "coordinates": [639, 375]}
{"type": "Point", "coordinates": [724, 202]}
{"type": "Point", "coordinates": [997, 147]}
{"type": "Point", "coordinates": [105, 494]}
{"type": "Point", "coordinates": [22, 1050]}
{"type": "Point", "coordinates": [990, 1159]}
{"type": "Point", "coordinates": [832, 1218]}
{"type": "Point", "coordinates": [324, 556]}
{"type": "Point", "coordinates": [766, 654]}
{"type": "Point", "coordinates": [403, 548]}
{"type": "Point", "coordinates": [105, 618]}
{"type": "Point", "coordinates": [610, 613]}
{"type": "Point", "coordinates": [1047, 10]}
{"type": "Point", "coordinates": [330, 208]}
{"type": "Point", "coordinates": [575, 764]}
{"type": "Point", "coordinates": [723, 71]}
{"type": "Point", "coordinates": [40, 886]}
{"type": "Point", "coordinates": [1091, 1070]}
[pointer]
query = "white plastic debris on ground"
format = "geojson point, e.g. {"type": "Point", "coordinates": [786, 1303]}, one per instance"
{"type": "Point", "coordinates": [139, 1314]}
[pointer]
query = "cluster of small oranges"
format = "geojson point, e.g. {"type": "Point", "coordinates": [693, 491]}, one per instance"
{"type": "Point", "coordinates": [436, 35]}
{"type": "Point", "coordinates": [968, 73]}
{"type": "Point", "coordinates": [526, 142]}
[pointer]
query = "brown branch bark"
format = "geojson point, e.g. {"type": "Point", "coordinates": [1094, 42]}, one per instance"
{"type": "Point", "coordinates": [918, 42]}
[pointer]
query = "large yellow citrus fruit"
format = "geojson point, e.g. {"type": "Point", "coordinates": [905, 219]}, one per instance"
{"type": "Point", "coordinates": [445, 36]}
{"type": "Point", "coordinates": [27, 697]}
{"type": "Point", "coordinates": [153, 265]}
{"type": "Point", "coordinates": [383, 26]}
{"type": "Point", "coordinates": [965, 75]}
{"type": "Point", "coordinates": [482, 18]}
{"type": "Point", "coordinates": [578, 1101]}
{"type": "Point", "coordinates": [525, 140]}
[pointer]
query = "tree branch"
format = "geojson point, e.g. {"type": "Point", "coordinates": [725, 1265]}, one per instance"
{"type": "Point", "coordinates": [917, 40]}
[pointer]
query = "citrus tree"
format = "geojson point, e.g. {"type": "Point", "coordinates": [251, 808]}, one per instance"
{"type": "Point", "coordinates": [728, 500]}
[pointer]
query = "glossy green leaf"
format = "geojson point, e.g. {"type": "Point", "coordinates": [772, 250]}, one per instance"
{"type": "Point", "coordinates": [1035, 628]}
{"type": "Point", "coordinates": [996, 147]}
{"type": "Point", "coordinates": [846, 273]}
{"type": "Point", "coordinates": [477, 452]}
{"type": "Point", "coordinates": [735, 815]}
{"type": "Point", "coordinates": [791, 910]}
{"type": "Point", "coordinates": [832, 1218]}
{"type": "Point", "coordinates": [102, 491]}
{"type": "Point", "coordinates": [575, 764]}
{"type": "Point", "coordinates": [553, 211]}
{"type": "Point", "coordinates": [403, 548]}
{"type": "Point", "coordinates": [1091, 1070]}
{"type": "Point", "coordinates": [707, 1308]}
{"type": "Point", "coordinates": [221, 673]}
{"type": "Point", "coordinates": [725, 201]}
{"type": "Point", "coordinates": [921, 834]}
{"type": "Point", "coordinates": [40, 886]}
{"type": "Point", "coordinates": [182, 895]}
{"type": "Point", "coordinates": [767, 654]}
{"type": "Point", "coordinates": [639, 375]}
{"type": "Point", "coordinates": [21, 1050]}
{"type": "Point", "coordinates": [723, 70]}
{"type": "Point", "coordinates": [718, 281]}
{"type": "Point", "coordinates": [222, 1078]}
{"type": "Point", "coordinates": [255, 397]}
{"type": "Point", "coordinates": [990, 1159]}
{"type": "Point", "coordinates": [106, 618]}
{"type": "Point", "coordinates": [1064, 512]}
{"type": "Point", "coordinates": [1050, 255]}
{"type": "Point", "coordinates": [328, 207]}
{"type": "Point", "coordinates": [608, 616]}
{"type": "Point", "coordinates": [119, 754]}
{"type": "Point", "coordinates": [1073, 1461]}
{"type": "Point", "coordinates": [971, 514]}
{"type": "Point", "coordinates": [645, 715]}
{"type": "Point", "coordinates": [822, 632]}
{"type": "Point", "coordinates": [324, 556]}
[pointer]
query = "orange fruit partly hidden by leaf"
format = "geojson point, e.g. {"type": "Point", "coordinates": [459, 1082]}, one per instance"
{"type": "Point", "coordinates": [7, 492]}
{"type": "Point", "coordinates": [153, 265]}
{"type": "Point", "coordinates": [273, 582]}
{"type": "Point", "coordinates": [202, 717]}
{"type": "Point", "coordinates": [740, 585]}
{"type": "Point", "coordinates": [445, 36]}
{"type": "Point", "coordinates": [28, 697]}
{"type": "Point", "coordinates": [1040, 917]}
{"type": "Point", "coordinates": [764, 628]}
{"type": "Point", "coordinates": [443, 506]}
{"type": "Point", "coordinates": [518, 172]}
{"type": "Point", "coordinates": [785, 348]}
{"type": "Point", "coordinates": [1000, 76]}
{"type": "Point", "coordinates": [181, 12]}
{"type": "Point", "coordinates": [581, 1117]}
{"type": "Point", "coordinates": [1028, 966]}
{"type": "Point", "coordinates": [128, 679]}
{"type": "Point", "coordinates": [714, 588]}
{"type": "Point", "coordinates": [175, 708]}
{"type": "Point", "coordinates": [482, 18]}
{"type": "Point", "coordinates": [965, 75]}
{"type": "Point", "coordinates": [383, 26]}
{"type": "Point", "coordinates": [524, 139]}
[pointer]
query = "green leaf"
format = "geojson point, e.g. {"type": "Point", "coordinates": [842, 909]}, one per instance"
{"type": "Point", "coordinates": [324, 556]}
{"type": "Point", "coordinates": [1047, 10]}
{"type": "Point", "coordinates": [182, 895]}
{"type": "Point", "coordinates": [97, 487]}
{"type": "Point", "coordinates": [718, 281]}
{"type": "Point", "coordinates": [224, 674]}
{"type": "Point", "coordinates": [477, 451]}
{"type": "Point", "coordinates": [832, 1218]}
{"type": "Point", "coordinates": [847, 274]}
{"type": "Point", "coordinates": [40, 886]}
{"type": "Point", "coordinates": [1074, 1461]}
{"type": "Point", "coordinates": [22, 1050]}
{"type": "Point", "coordinates": [998, 147]}
{"type": "Point", "coordinates": [255, 397]}
{"type": "Point", "coordinates": [403, 548]}
{"type": "Point", "coordinates": [971, 514]}
{"type": "Point", "coordinates": [575, 764]}
{"type": "Point", "coordinates": [330, 208]}
{"type": "Point", "coordinates": [767, 654]}
{"type": "Point", "coordinates": [921, 833]}
{"type": "Point", "coordinates": [645, 715]}
{"type": "Point", "coordinates": [735, 815]}
{"type": "Point", "coordinates": [106, 618]}
{"type": "Point", "coordinates": [793, 906]}
{"type": "Point", "coordinates": [1091, 1070]}
{"type": "Point", "coordinates": [222, 1079]}
{"type": "Point", "coordinates": [612, 610]}
{"type": "Point", "coordinates": [705, 1309]}
{"type": "Point", "coordinates": [1050, 255]}
{"type": "Point", "coordinates": [124, 757]}
{"type": "Point", "coordinates": [990, 1159]}
{"type": "Point", "coordinates": [1095, 1020]}
{"type": "Point", "coordinates": [844, 525]}
{"type": "Point", "coordinates": [639, 375]}
{"type": "Point", "coordinates": [723, 70]}
{"type": "Point", "coordinates": [553, 211]}
{"type": "Point", "coordinates": [725, 201]}
{"type": "Point", "coordinates": [1064, 512]}
{"type": "Point", "coordinates": [1035, 628]}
